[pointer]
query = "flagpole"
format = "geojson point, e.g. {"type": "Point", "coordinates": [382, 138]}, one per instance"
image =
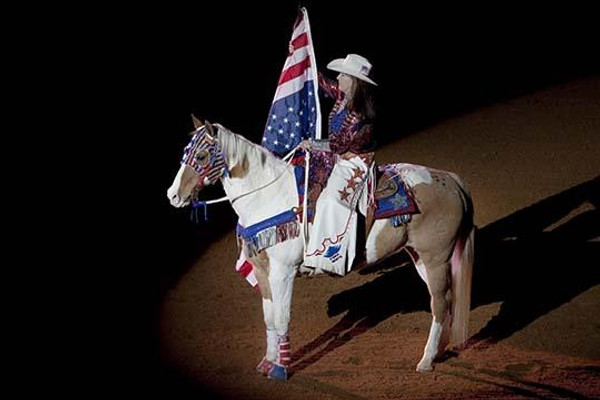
{"type": "Point", "coordinates": [313, 63]}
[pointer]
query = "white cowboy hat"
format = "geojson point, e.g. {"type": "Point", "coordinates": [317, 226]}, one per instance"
{"type": "Point", "coordinates": [354, 65]}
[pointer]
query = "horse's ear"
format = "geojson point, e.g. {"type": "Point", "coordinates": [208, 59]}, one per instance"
{"type": "Point", "coordinates": [210, 131]}
{"type": "Point", "coordinates": [197, 123]}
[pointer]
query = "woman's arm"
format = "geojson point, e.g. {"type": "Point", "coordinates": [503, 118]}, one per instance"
{"type": "Point", "coordinates": [329, 86]}
{"type": "Point", "coordinates": [355, 142]}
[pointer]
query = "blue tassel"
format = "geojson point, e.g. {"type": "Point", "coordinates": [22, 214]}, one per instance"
{"type": "Point", "coordinates": [398, 220]}
{"type": "Point", "coordinates": [195, 206]}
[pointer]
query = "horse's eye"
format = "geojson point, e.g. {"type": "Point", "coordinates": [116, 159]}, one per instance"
{"type": "Point", "coordinates": [202, 157]}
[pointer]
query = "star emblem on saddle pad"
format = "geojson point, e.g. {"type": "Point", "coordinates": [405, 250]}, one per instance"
{"type": "Point", "coordinates": [400, 201]}
{"type": "Point", "coordinates": [358, 173]}
{"type": "Point", "coordinates": [344, 194]}
{"type": "Point", "coordinates": [351, 183]}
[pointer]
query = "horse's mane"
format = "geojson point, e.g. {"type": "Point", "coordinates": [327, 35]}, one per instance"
{"type": "Point", "coordinates": [244, 156]}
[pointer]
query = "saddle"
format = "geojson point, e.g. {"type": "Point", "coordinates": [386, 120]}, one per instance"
{"type": "Point", "coordinates": [393, 198]}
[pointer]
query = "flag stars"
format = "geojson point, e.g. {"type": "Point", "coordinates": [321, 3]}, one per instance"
{"type": "Point", "coordinates": [292, 117]}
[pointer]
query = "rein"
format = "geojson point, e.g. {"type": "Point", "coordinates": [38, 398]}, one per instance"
{"type": "Point", "coordinates": [273, 181]}
{"type": "Point", "coordinates": [200, 203]}
{"type": "Point", "coordinates": [288, 157]}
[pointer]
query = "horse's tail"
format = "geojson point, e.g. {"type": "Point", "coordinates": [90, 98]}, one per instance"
{"type": "Point", "coordinates": [462, 271]}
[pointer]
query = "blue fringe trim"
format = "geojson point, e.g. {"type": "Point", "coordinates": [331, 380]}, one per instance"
{"type": "Point", "coordinates": [398, 220]}
{"type": "Point", "coordinates": [269, 232]}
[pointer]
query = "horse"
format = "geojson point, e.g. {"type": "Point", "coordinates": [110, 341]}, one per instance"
{"type": "Point", "coordinates": [439, 239]}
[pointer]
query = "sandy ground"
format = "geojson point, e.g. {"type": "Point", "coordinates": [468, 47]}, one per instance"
{"type": "Point", "coordinates": [532, 164]}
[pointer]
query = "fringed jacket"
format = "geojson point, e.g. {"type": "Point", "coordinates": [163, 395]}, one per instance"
{"type": "Point", "coordinates": [348, 131]}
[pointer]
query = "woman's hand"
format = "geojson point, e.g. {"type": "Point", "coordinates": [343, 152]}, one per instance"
{"type": "Point", "coordinates": [306, 145]}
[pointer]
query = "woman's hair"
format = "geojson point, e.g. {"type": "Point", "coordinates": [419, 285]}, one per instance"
{"type": "Point", "coordinates": [362, 101]}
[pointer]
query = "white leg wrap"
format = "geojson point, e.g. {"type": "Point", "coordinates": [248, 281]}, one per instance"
{"type": "Point", "coordinates": [281, 288]}
{"type": "Point", "coordinates": [269, 316]}
{"type": "Point", "coordinates": [272, 347]}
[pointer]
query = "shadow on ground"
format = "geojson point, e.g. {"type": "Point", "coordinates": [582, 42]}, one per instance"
{"type": "Point", "coordinates": [532, 261]}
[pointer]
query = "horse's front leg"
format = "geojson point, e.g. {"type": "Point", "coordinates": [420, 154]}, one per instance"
{"type": "Point", "coordinates": [270, 358]}
{"type": "Point", "coordinates": [277, 318]}
{"type": "Point", "coordinates": [275, 271]}
{"type": "Point", "coordinates": [278, 354]}
{"type": "Point", "coordinates": [438, 284]}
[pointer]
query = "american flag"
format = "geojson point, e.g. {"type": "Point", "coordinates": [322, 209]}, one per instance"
{"type": "Point", "coordinates": [295, 113]}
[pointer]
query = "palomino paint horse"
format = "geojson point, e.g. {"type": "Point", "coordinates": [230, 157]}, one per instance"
{"type": "Point", "coordinates": [259, 186]}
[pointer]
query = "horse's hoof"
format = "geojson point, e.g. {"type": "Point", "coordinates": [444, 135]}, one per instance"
{"type": "Point", "coordinates": [278, 372]}
{"type": "Point", "coordinates": [424, 367]}
{"type": "Point", "coordinates": [264, 367]}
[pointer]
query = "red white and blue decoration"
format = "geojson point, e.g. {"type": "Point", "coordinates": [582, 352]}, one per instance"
{"type": "Point", "coordinates": [295, 112]}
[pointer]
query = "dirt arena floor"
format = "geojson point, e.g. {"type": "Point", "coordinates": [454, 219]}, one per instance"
{"type": "Point", "coordinates": [533, 165]}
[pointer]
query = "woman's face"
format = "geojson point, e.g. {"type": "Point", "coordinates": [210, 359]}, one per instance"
{"type": "Point", "coordinates": [346, 84]}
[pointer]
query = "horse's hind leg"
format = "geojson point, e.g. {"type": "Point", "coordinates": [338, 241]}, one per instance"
{"type": "Point", "coordinates": [438, 284]}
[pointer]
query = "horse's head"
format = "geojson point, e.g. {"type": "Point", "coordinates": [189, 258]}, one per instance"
{"type": "Point", "coordinates": [202, 164]}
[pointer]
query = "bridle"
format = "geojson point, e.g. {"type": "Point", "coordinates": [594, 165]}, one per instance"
{"type": "Point", "coordinates": [204, 155]}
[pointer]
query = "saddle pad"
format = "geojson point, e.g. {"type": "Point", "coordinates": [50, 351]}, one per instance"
{"type": "Point", "coordinates": [391, 196]}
